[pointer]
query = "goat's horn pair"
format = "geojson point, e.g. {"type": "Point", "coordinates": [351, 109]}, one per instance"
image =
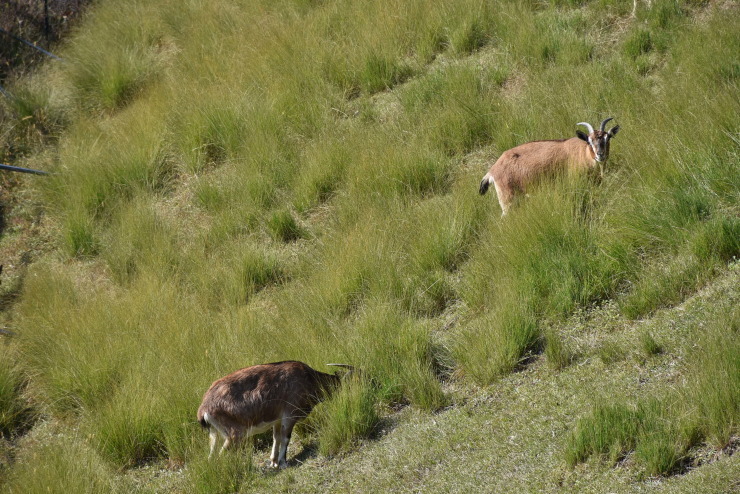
{"type": "Point", "coordinates": [588, 126]}
{"type": "Point", "coordinates": [603, 124]}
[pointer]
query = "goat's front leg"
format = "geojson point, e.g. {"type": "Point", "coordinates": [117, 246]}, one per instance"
{"type": "Point", "coordinates": [286, 431]}
{"type": "Point", "coordinates": [277, 438]}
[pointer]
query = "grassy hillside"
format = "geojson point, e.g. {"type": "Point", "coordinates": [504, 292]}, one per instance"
{"type": "Point", "coordinates": [250, 181]}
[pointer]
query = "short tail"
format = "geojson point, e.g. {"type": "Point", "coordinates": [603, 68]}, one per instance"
{"type": "Point", "coordinates": [203, 420]}
{"type": "Point", "coordinates": [485, 183]}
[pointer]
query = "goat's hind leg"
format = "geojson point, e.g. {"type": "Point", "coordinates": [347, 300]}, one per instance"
{"type": "Point", "coordinates": [214, 431]}
{"type": "Point", "coordinates": [212, 437]}
{"type": "Point", "coordinates": [504, 197]}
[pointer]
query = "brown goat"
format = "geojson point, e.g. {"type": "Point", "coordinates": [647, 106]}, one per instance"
{"type": "Point", "coordinates": [254, 399]}
{"type": "Point", "coordinates": [522, 166]}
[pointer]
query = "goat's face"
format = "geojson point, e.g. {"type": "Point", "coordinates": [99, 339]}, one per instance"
{"type": "Point", "coordinates": [598, 139]}
{"type": "Point", "coordinates": [599, 142]}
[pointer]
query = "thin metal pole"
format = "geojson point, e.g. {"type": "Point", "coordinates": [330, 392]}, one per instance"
{"type": "Point", "coordinates": [29, 43]}
{"type": "Point", "coordinates": [5, 93]}
{"type": "Point", "coordinates": [22, 170]}
{"type": "Point", "coordinates": [46, 22]}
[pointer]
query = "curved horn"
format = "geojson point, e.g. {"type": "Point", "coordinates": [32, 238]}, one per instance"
{"type": "Point", "coordinates": [588, 126]}
{"type": "Point", "coordinates": [345, 366]}
{"type": "Point", "coordinates": [603, 124]}
{"type": "Point", "coordinates": [351, 370]}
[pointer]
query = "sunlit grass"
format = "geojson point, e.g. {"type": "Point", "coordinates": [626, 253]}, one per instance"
{"type": "Point", "coordinates": [660, 431]}
{"type": "Point", "coordinates": [60, 465]}
{"type": "Point", "coordinates": [256, 181]}
{"type": "Point", "coordinates": [350, 415]}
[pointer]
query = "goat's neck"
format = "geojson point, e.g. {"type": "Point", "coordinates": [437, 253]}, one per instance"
{"type": "Point", "coordinates": [590, 155]}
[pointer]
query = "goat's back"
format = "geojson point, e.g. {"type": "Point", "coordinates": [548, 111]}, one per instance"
{"type": "Point", "coordinates": [527, 162]}
{"type": "Point", "coordinates": [262, 393]}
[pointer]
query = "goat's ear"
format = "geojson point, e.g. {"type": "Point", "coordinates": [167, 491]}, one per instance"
{"type": "Point", "coordinates": [581, 135]}
{"type": "Point", "coordinates": [614, 131]}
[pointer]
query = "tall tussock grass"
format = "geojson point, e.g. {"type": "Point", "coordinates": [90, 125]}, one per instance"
{"type": "Point", "coordinates": [225, 474]}
{"type": "Point", "coordinates": [350, 415]}
{"type": "Point", "coordinates": [242, 182]}
{"type": "Point", "coordinates": [61, 465]}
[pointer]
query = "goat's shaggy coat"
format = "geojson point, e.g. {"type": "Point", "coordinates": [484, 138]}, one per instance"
{"type": "Point", "coordinates": [254, 399]}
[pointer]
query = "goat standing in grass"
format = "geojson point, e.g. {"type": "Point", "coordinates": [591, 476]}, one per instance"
{"type": "Point", "coordinates": [254, 399]}
{"type": "Point", "coordinates": [523, 166]}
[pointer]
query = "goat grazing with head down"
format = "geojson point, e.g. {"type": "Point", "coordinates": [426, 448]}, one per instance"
{"type": "Point", "coordinates": [524, 165]}
{"type": "Point", "coordinates": [254, 399]}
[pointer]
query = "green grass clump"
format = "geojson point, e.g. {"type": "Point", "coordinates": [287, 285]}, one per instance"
{"type": "Point", "coordinates": [113, 167]}
{"type": "Point", "coordinates": [350, 415]}
{"type": "Point", "coordinates": [283, 226]}
{"type": "Point", "coordinates": [237, 272]}
{"type": "Point", "coordinates": [665, 438]}
{"type": "Point", "coordinates": [639, 43]}
{"type": "Point", "coordinates": [79, 236]}
{"type": "Point", "coordinates": [610, 432]}
{"type": "Point", "coordinates": [715, 386]}
{"type": "Point", "coordinates": [497, 343]}
{"type": "Point", "coordinates": [60, 465]}
{"type": "Point", "coordinates": [665, 13]}
{"type": "Point", "coordinates": [661, 431]}
{"type": "Point", "coordinates": [398, 357]}
{"type": "Point", "coordinates": [224, 474]}
{"type": "Point", "coordinates": [381, 73]}
{"type": "Point", "coordinates": [610, 352]}
{"type": "Point", "coordinates": [140, 240]}
{"type": "Point", "coordinates": [128, 436]}
{"type": "Point", "coordinates": [323, 174]}
{"type": "Point", "coordinates": [470, 36]}
{"type": "Point", "coordinates": [648, 345]}
{"type": "Point", "coordinates": [714, 242]}
{"type": "Point", "coordinates": [113, 61]}
{"type": "Point", "coordinates": [457, 107]}
{"type": "Point", "coordinates": [561, 269]}
{"type": "Point", "coordinates": [559, 353]}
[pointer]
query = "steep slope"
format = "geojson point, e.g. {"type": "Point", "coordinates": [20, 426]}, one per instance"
{"type": "Point", "coordinates": [241, 182]}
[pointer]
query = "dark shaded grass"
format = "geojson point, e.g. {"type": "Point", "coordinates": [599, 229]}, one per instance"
{"type": "Point", "coordinates": [15, 413]}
